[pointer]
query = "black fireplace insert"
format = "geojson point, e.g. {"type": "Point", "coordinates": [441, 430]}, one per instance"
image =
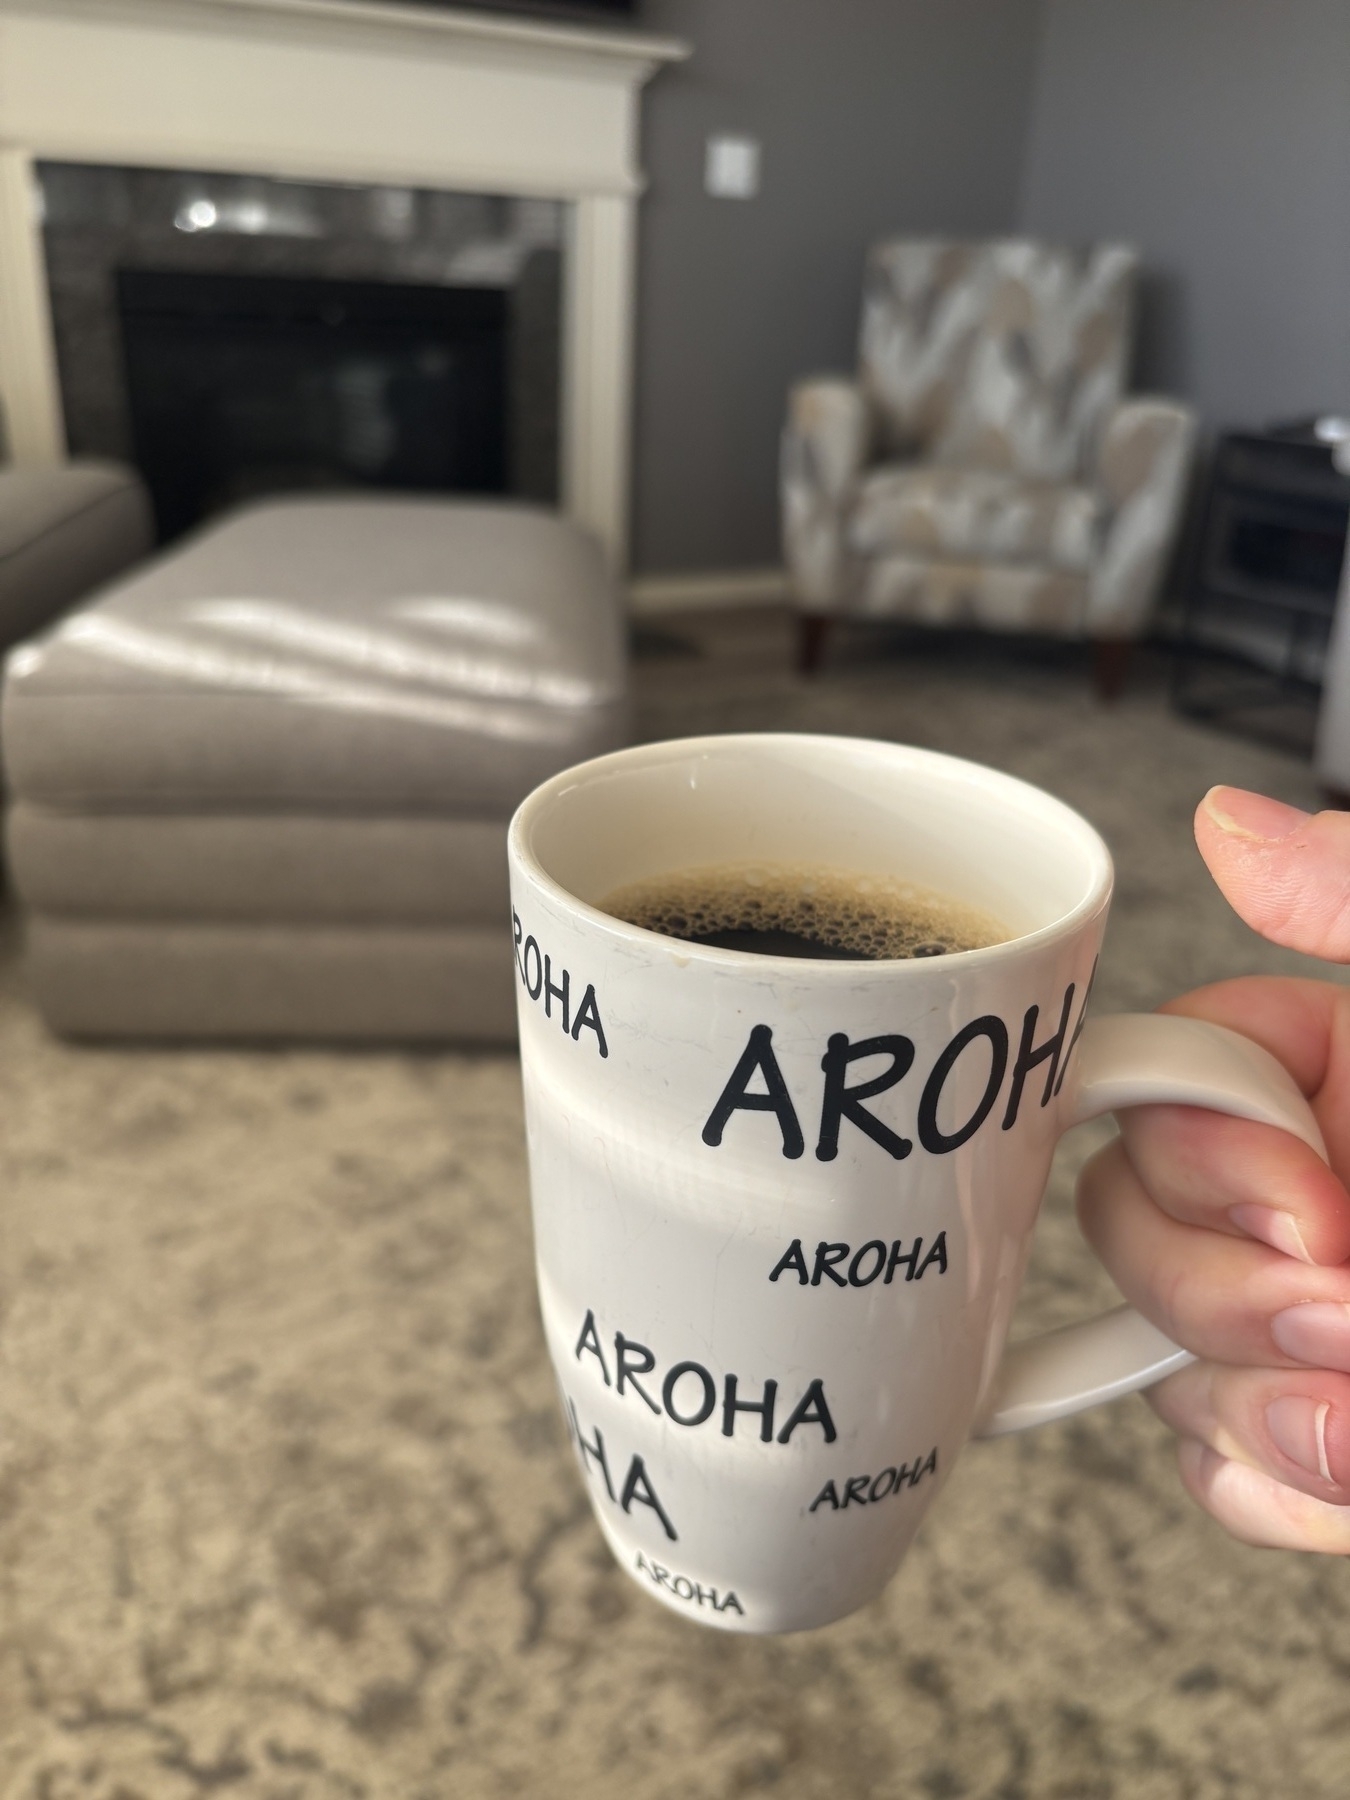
{"type": "Point", "coordinates": [245, 385]}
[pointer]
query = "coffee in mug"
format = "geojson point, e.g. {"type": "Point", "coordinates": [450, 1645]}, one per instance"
{"type": "Point", "coordinates": [803, 910]}
{"type": "Point", "coordinates": [783, 1205]}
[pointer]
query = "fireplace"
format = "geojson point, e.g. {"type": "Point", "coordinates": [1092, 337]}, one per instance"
{"type": "Point", "coordinates": [408, 99]}
{"type": "Point", "coordinates": [236, 336]}
{"type": "Point", "coordinates": [244, 385]}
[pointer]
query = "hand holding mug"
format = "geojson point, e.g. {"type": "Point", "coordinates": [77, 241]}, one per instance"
{"type": "Point", "coordinates": [783, 1207]}
{"type": "Point", "coordinates": [1234, 1238]}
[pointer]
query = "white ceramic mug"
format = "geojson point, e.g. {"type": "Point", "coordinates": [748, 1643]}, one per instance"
{"type": "Point", "coordinates": [782, 1208]}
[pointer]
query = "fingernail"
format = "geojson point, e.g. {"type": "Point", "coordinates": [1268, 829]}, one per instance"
{"type": "Point", "coordinates": [1242, 814]}
{"type": "Point", "coordinates": [1278, 1229]}
{"type": "Point", "coordinates": [1299, 1427]}
{"type": "Point", "coordinates": [1317, 1333]}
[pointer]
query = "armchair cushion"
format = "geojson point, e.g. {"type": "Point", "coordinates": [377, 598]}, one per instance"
{"type": "Point", "coordinates": [923, 302]}
{"type": "Point", "coordinates": [1004, 355]}
{"type": "Point", "coordinates": [824, 446]}
{"type": "Point", "coordinates": [974, 515]}
{"type": "Point", "coordinates": [1048, 364]}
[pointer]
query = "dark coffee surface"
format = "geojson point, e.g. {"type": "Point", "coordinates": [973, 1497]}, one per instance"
{"type": "Point", "coordinates": [773, 943]}
{"type": "Point", "coordinates": [805, 912]}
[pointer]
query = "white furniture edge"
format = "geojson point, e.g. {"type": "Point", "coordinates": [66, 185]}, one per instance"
{"type": "Point", "coordinates": [709, 590]}
{"type": "Point", "coordinates": [340, 90]}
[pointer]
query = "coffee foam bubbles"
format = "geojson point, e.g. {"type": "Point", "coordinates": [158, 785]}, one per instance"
{"type": "Point", "coordinates": [872, 917]}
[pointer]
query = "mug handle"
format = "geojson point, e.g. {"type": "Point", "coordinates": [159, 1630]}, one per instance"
{"type": "Point", "coordinates": [1138, 1059]}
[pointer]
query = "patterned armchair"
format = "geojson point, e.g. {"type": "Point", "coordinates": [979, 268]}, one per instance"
{"type": "Point", "coordinates": [984, 468]}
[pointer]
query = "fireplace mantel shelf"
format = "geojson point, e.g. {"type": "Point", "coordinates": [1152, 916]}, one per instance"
{"type": "Point", "coordinates": [346, 91]}
{"type": "Point", "coordinates": [341, 20]}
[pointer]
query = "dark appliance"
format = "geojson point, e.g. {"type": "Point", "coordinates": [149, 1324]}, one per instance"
{"type": "Point", "coordinates": [244, 385]}
{"type": "Point", "coordinates": [1267, 560]}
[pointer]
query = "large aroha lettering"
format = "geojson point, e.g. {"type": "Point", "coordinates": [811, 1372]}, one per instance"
{"type": "Point", "coordinates": [637, 1484]}
{"type": "Point", "coordinates": [691, 1394]}
{"type": "Point", "coordinates": [841, 1103]}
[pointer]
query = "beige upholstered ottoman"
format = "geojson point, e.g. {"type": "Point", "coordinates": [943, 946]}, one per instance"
{"type": "Point", "coordinates": [261, 788]}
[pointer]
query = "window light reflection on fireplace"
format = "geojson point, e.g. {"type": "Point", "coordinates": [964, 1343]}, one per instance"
{"type": "Point", "coordinates": [248, 215]}
{"type": "Point", "coordinates": [197, 215]}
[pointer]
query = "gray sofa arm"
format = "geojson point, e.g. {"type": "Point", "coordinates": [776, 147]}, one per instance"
{"type": "Point", "coordinates": [824, 448]}
{"type": "Point", "coordinates": [1142, 468]}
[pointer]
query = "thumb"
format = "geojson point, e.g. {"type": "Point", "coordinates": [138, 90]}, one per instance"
{"type": "Point", "coordinates": [1285, 872]}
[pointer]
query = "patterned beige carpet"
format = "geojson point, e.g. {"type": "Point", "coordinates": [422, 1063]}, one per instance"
{"type": "Point", "coordinates": [286, 1512]}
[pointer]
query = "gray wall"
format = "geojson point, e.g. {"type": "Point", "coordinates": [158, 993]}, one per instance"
{"type": "Point", "coordinates": [1216, 135]}
{"type": "Point", "coordinates": [875, 116]}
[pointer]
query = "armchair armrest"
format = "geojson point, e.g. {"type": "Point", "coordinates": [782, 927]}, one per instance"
{"type": "Point", "coordinates": [1142, 468]}
{"type": "Point", "coordinates": [824, 448]}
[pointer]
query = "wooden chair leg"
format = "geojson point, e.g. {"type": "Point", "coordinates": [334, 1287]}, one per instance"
{"type": "Point", "coordinates": [1110, 665]}
{"type": "Point", "coordinates": [812, 631]}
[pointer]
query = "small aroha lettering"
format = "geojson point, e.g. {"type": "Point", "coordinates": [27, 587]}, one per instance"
{"type": "Point", "coordinates": [689, 1393]}
{"type": "Point", "coordinates": [864, 1490]}
{"type": "Point", "coordinates": [683, 1588]}
{"type": "Point", "coordinates": [847, 1267]}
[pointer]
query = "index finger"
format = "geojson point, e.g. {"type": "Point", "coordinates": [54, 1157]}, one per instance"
{"type": "Point", "coordinates": [1239, 1177]}
{"type": "Point", "coordinates": [1232, 1175]}
{"type": "Point", "coordinates": [1305, 1025]}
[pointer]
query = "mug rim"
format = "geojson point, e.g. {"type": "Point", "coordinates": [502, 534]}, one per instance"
{"type": "Point", "coordinates": [520, 851]}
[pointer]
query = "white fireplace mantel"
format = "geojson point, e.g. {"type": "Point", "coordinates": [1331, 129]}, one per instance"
{"type": "Point", "coordinates": [339, 90]}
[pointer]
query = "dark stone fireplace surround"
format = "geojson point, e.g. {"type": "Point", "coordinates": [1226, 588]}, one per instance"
{"type": "Point", "coordinates": [100, 220]}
